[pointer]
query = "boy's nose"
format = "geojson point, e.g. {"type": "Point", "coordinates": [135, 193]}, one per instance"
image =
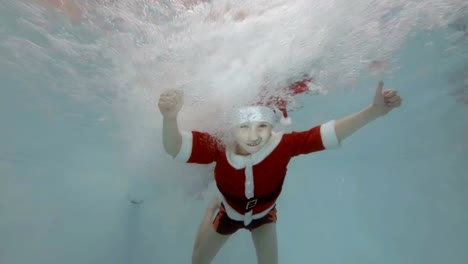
{"type": "Point", "coordinates": [253, 135]}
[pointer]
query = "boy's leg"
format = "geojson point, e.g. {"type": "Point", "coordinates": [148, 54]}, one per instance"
{"type": "Point", "coordinates": [266, 244]}
{"type": "Point", "coordinates": [206, 221]}
{"type": "Point", "coordinates": [208, 247]}
{"type": "Point", "coordinates": [208, 241]}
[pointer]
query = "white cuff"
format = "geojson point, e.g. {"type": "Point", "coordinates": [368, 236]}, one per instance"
{"type": "Point", "coordinates": [185, 147]}
{"type": "Point", "coordinates": [329, 139]}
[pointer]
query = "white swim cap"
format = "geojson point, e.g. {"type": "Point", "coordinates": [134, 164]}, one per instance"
{"type": "Point", "coordinates": [254, 114]}
{"type": "Point", "coordinates": [259, 114]}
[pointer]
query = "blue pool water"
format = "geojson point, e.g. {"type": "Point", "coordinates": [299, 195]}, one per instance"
{"type": "Point", "coordinates": [73, 157]}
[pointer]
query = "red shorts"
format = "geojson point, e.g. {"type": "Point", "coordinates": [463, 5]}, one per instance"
{"type": "Point", "coordinates": [226, 226]}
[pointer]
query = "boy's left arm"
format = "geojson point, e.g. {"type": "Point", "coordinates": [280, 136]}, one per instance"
{"type": "Point", "coordinates": [384, 102]}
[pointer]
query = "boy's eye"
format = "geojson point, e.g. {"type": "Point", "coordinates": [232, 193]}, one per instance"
{"type": "Point", "coordinates": [263, 125]}
{"type": "Point", "coordinates": [243, 126]}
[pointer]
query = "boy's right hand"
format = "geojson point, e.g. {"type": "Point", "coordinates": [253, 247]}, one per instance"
{"type": "Point", "coordinates": [170, 103]}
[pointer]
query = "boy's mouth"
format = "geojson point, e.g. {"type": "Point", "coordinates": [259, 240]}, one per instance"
{"type": "Point", "coordinates": [255, 143]}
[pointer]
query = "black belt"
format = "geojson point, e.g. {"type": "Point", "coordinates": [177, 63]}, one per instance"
{"type": "Point", "coordinates": [249, 204]}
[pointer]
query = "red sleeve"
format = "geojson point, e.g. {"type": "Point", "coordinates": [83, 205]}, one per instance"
{"type": "Point", "coordinates": [315, 139]}
{"type": "Point", "coordinates": [306, 141]}
{"type": "Point", "coordinates": [198, 147]}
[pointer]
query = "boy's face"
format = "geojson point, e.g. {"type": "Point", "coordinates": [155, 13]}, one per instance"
{"type": "Point", "coordinates": [251, 137]}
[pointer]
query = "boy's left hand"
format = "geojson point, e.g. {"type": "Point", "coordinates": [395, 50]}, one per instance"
{"type": "Point", "coordinates": [385, 100]}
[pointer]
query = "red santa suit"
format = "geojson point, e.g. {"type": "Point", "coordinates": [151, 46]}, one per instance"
{"type": "Point", "coordinates": [250, 185]}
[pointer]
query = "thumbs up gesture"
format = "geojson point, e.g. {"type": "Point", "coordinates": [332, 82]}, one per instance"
{"type": "Point", "coordinates": [385, 100]}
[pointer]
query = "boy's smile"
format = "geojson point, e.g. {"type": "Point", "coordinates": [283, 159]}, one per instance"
{"type": "Point", "coordinates": [252, 136]}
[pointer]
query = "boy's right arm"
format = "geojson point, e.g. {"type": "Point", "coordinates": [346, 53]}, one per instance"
{"type": "Point", "coordinates": [170, 103]}
{"type": "Point", "coordinates": [172, 138]}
